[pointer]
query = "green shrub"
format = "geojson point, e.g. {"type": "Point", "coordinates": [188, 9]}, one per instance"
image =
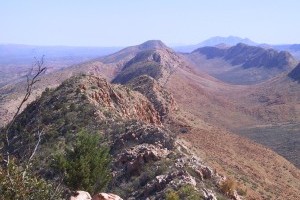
{"type": "Point", "coordinates": [19, 184]}
{"type": "Point", "coordinates": [73, 107]}
{"type": "Point", "coordinates": [86, 165]}
{"type": "Point", "coordinates": [188, 192]}
{"type": "Point", "coordinates": [172, 195]}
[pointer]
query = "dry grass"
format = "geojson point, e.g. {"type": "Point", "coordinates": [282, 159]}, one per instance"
{"type": "Point", "coordinates": [260, 170]}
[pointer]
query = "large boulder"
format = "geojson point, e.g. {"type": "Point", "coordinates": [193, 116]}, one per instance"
{"type": "Point", "coordinates": [140, 133]}
{"type": "Point", "coordinates": [132, 160]}
{"type": "Point", "coordinates": [209, 195]}
{"type": "Point", "coordinates": [106, 196]}
{"type": "Point", "coordinates": [81, 195]}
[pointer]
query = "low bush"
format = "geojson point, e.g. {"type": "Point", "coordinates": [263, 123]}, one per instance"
{"type": "Point", "coordinates": [172, 195]}
{"type": "Point", "coordinates": [187, 192]}
{"type": "Point", "coordinates": [86, 165]}
{"type": "Point", "coordinates": [228, 186]}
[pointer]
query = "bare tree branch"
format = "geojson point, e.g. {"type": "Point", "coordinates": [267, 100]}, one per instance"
{"type": "Point", "coordinates": [30, 83]}
{"type": "Point", "coordinates": [37, 144]}
{"type": "Point", "coordinates": [33, 152]}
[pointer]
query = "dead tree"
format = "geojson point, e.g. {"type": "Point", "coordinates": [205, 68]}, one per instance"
{"type": "Point", "coordinates": [39, 69]}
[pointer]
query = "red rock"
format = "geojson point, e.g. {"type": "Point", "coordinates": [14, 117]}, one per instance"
{"type": "Point", "coordinates": [106, 196]}
{"type": "Point", "coordinates": [81, 195]}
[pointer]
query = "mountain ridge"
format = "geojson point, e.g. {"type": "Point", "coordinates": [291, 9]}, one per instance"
{"type": "Point", "coordinates": [249, 56]}
{"type": "Point", "coordinates": [242, 64]}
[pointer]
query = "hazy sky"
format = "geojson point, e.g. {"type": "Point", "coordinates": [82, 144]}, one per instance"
{"type": "Point", "coordinates": [129, 22]}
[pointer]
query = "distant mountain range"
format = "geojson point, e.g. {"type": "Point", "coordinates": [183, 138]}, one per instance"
{"type": "Point", "coordinates": [217, 40]}
{"type": "Point", "coordinates": [242, 64]}
{"type": "Point", "coordinates": [249, 56]}
{"type": "Point", "coordinates": [229, 41]}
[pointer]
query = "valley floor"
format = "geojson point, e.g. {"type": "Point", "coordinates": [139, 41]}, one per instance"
{"type": "Point", "coordinates": [281, 138]}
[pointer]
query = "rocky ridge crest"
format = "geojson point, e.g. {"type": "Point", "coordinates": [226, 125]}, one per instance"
{"type": "Point", "coordinates": [148, 163]}
{"type": "Point", "coordinates": [158, 64]}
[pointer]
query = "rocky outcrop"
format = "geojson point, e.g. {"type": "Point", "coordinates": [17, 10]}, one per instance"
{"type": "Point", "coordinates": [202, 171]}
{"type": "Point", "coordinates": [148, 163]}
{"type": "Point", "coordinates": [145, 62]}
{"type": "Point", "coordinates": [137, 133]}
{"type": "Point", "coordinates": [161, 182]}
{"type": "Point", "coordinates": [118, 101]}
{"type": "Point", "coordinates": [106, 196]}
{"type": "Point", "coordinates": [209, 195]}
{"type": "Point", "coordinates": [161, 99]}
{"type": "Point", "coordinates": [236, 196]}
{"type": "Point", "coordinates": [82, 195]}
{"type": "Point", "coordinates": [131, 160]}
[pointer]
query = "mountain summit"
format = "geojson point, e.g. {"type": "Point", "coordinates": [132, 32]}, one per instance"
{"type": "Point", "coordinates": [216, 41]}
{"type": "Point", "coordinates": [128, 53]}
{"type": "Point", "coordinates": [152, 44]}
{"type": "Point", "coordinates": [230, 41]}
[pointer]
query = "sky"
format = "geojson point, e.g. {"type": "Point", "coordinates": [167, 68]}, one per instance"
{"type": "Point", "coordinates": [131, 22]}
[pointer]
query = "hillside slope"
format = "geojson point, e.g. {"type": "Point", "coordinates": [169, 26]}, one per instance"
{"type": "Point", "coordinates": [244, 160]}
